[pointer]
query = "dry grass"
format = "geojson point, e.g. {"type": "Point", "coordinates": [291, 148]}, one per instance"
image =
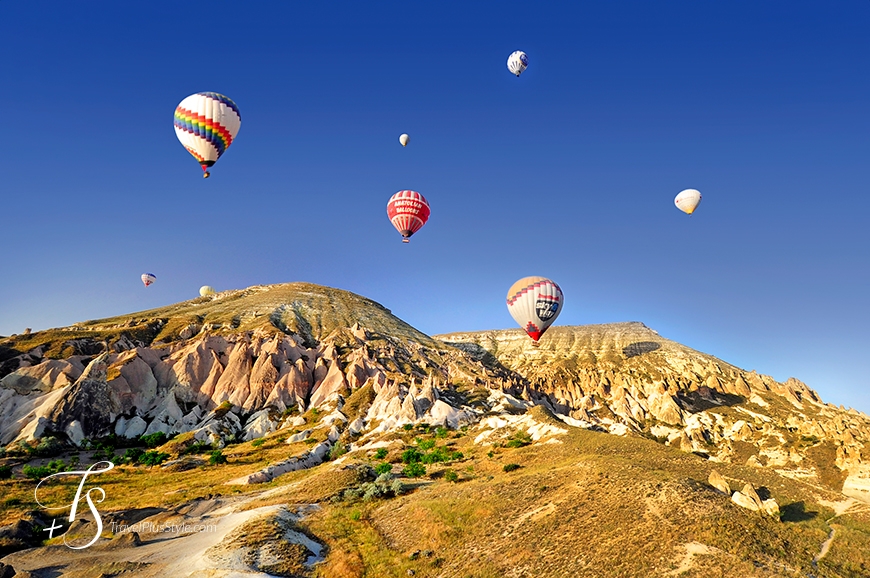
{"type": "Point", "coordinates": [594, 505]}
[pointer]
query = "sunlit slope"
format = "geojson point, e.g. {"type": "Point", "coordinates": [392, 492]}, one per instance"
{"type": "Point", "coordinates": [311, 311]}
{"type": "Point", "coordinates": [631, 347]}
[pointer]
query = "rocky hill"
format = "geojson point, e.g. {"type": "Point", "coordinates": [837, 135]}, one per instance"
{"type": "Point", "coordinates": [669, 451]}
{"type": "Point", "coordinates": [625, 377]}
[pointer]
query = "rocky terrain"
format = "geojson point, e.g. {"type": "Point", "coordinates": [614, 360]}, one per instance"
{"type": "Point", "coordinates": [307, 387]}
{"type": "Point", "coordinates": [624, 378]}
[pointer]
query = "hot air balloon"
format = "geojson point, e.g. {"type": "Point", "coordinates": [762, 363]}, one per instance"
{"type": "Point", "coordinates": [408, 211]}
{"type": "Point", "coordinates": [148, 278]}
{"type": "Point", "coordinates": [517, 62]}
{"type": "Point", "coordinates": [404, 138]}
{"type": "Point", "coordinates": [206, 124]}
{"type": "Point", "coordinates": [688, 200]}
{"type": "Point", "coordinates": [206, 290]}
{"type": "Point", "coordinates": [534, 303]}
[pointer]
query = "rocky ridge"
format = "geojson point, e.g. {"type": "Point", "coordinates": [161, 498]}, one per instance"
{"type": "Point", "coordinates": [243, 364]}
{"type": "Point", "coordinates": [625, 377]}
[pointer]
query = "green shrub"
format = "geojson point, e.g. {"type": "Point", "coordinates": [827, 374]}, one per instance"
{"type": "Point", "coordinates": [337, 450]}
{"type": "Point", "coordinates": [36, 472]}
{"type": "Point", "coordinates": [435, 456]}
{"type": "Point", "coordinates": [258, 442]}
{"type": "Point", "coordinates": [441, 432]}
{"type": "Point", "coordinates": [56, 466]}
{"type": "Point", "coordinates": [385, 478]}
{"type": "Point", "coordinates": [451, 476]}
{"type": "Point", "coordinates": [383, 468]}
{"type": "Point", "coordinates": [223, 409]}
{"type": "Point", "coordinates": [414, 470]}
{"type": "Point", "coordinates": [356, 515]}
{"type": "Point", "coordinates": [408, 426]}
{"type": "Point", "coordinates": [198, 447]}
{"type": "Point", "coordinates": [104, 454]}
{"type": "Point", "coordinates": [217, 457]}
{"type": "Point", "coordinates": [411, 456]}
{"type": "Point", "coordinates": [398, 487]}
{"type": "Point", "coordinates": [5, 472]}
{"type": "Point", "coordinates": [511, 467]}
{"type": "Point", "coordinates": [381, 453]}
{"type": "Point", "coordinates": [519, 439]}
{"type": "Point", "coordinates": [153, 458]}
{"type": "Point", "coordinates": [153, 440]}
{"type": "Point", "coordinates": [132, 455]}
{"type": "Point", "coordinates": [372, 491]}
{"type": "Point", "coordinates": [425, 444]}
{"type": "Point", "coordinates": [48, 447]}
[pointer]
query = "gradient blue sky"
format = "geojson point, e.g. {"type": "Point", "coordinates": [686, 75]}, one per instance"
{"type": "Point", "coordinates": [567, 172]}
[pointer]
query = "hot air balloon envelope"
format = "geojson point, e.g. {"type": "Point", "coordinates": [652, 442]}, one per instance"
{"type": "Point", "coordinates": [517, 62]}
{"type": "Point", "coordinates": [404, 139]}
{"type": "Point", "coordinates": [148, 278]}
{"type": "Point", "coordinates": [688, 200]}
{"type": "Point", "coordinates": [408, 211]}
{"type": "Point", "coordinates": [534, 303]}
{"type": "Point", "coordinates": [206, 123]}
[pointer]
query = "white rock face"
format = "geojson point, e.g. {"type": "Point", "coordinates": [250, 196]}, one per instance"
{"type": "Point", "coordinates": [301, 436]}
{"type": "Point", "coordinates": [75, 433]}
{"type": "Point", "coordinates": [304, 461]}
{"type": "Point", "coordinates": [745, 502]}
{"type": "Point", "coordinates": [771, 508]}
{"type": "Point", "coordinates": [716, 480]}
{"type": "Point", "coordinates": [259, 424]}
{"type": "Point", "coordinates": [857, 484]}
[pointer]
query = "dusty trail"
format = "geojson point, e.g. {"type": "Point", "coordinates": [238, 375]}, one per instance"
{"type": "Point", "coordinates": [175, 548]}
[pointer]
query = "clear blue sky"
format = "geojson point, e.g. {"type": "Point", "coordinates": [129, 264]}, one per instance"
{"type": "Point", "coordinates": [568, 171]}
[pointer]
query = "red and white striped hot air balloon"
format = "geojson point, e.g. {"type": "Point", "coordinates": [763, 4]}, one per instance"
{"type": "Point", "coordinates": [408, 212]}
{"type": "Point", "coordinates": [534, 303]}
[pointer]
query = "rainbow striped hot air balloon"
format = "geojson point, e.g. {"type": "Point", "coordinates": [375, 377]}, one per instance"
{"type": "Point", "coordinates": [534, 303]}
{"type": "Point", "coordinates": [408, 211]}
{"type": "Point", "coordinates": [206, 123]}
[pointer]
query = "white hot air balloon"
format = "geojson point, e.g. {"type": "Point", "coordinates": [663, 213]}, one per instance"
{"type": "Point", "coordinates": [517, 62]}
{"type": "Point", "coordinates": [688, 200]}
{"type": "Point", "coordinates": [534, 303]}
{"type": "Point", "coordinates": [148, 278]}
{"type": "Point", "coordinates": [206, 290]}
{"type": "Point", "coordinates": [404, 138]}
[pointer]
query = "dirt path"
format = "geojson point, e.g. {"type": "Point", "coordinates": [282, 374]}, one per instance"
{"type": "Point", "coordinates": [174, 543]}
{"type": "Point", "coordinates": [841, 507]}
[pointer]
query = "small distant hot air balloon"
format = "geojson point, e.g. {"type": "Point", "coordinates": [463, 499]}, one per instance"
{"type": "Point", "coordinates": [206, 290]}
{"type": "Point", "coordinates": [534, 303]}
{"type": "Point", "coordinates": [688, 200]}
{"type": "Point", "coordinates": [404, 138]}
{"type": "Point", "coordinates": [148, 278]}
{"type": "Point", "coordinates": [408, 211]}
{"type": "Point", "coordinates": [517, 62]}
{"type": "Point", "coordinates": [206, 124]}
